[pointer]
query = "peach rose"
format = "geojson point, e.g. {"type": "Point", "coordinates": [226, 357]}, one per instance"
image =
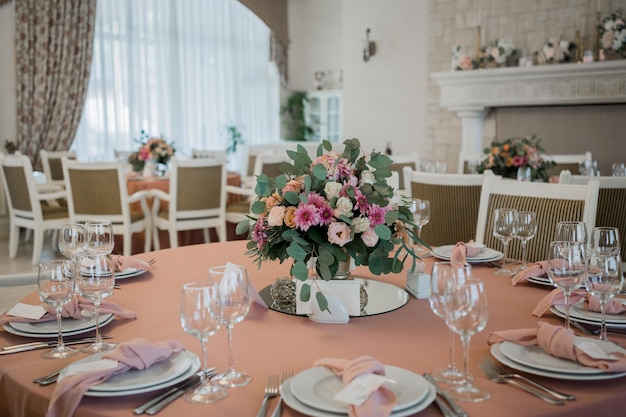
{"type": "Point", "coordinates": [276, 215]}
{"type": "Point", "coordinates": [289, 217]}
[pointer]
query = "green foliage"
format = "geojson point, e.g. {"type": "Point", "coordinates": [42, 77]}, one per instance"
{"type": "Point", "coordinates": [293, 117]}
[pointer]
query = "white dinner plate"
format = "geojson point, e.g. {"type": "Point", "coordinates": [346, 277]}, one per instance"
{"type": "Point", "coordinates": [49, 328]}
{"type": "Point", "coordinates": [485, 254]}
{"type": "Point", "coordinates": [292, 401]}
{"type": "Point", "coordinates": [151, 379]}
{"type": "Point", "coordinates": [540, 281]}
{"type": "Point", "coordinates": [317, 386]}
{"type": "Point", "coordinates": [502, 358]}
{"type": "Point", "coordinates": [560, 311]}
{"type": "Point", "coordinates": [577, 311]}
{"type": "Point", "coordinates": [129, 272]}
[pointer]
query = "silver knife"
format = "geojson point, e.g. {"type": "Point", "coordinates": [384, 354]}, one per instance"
{"type": "Point", "coordinates": [455, 407]}
{"type": "Point", "coordinates": [50, 343]}
{"type": "Point", "coordinates": [443, 407]}
{"type": "Point", "coordinates": [42, 345]}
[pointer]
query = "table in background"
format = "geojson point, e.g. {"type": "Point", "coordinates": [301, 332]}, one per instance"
{"type": "Point", "coordinates": [411, 337]}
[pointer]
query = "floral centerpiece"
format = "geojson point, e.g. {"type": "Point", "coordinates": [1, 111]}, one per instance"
{"type": "Point", "coordinates": [461, 61]}
{"type": "Point", "coordinates": [556, 51]}
{"type": "Point", "coordinates": [499, 53]}
{"type": "Point", "coordinates": [612, 33]}
{"type": "Point", "coordinates": [151, 149]}
{"type": "Point", "coordinates": [329, 210]}
{"type": "Point", "coordinates": [504, 158]}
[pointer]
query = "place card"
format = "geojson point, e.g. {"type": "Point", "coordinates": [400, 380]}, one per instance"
{"type": "Point", "coordinates": [27, 311]}
{"type": "Point", "coordinates": [593, 349]}
{"type": "Point", "coordinates": [346, 291]}
{"type": "Point", "coordinates": [360, 389]}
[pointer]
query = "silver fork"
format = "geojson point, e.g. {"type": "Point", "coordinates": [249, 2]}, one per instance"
{"type": "Point", "coordinates": [271, 390]}
{"type": "Point", "coordinates": [504, 373]}
{"type": "Point", "coordinates": [493, 375]}
{"type": "Point", "coordinates": [278, 409]}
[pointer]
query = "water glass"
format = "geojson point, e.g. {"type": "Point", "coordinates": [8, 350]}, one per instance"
{"type": "Point", "coordinates": [619, 169]}
{"type": "Point", "coordinates": [604, 279]}
{"type": "Point", "coordinates": [567, 268]}
{"type": "Point", "coordinates": [505, 228]}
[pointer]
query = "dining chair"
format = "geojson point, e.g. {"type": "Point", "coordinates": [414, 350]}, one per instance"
{"type": "Point", "coordinates": [205, 153]}
{"type": "Point", "coordinates": [97, 190]}
{"type": "Point", "coordinates": [552, 203]}
{"type": "Point", "coordinates": [30, 207]}
{"type": "Point", "coordinates": [467, 162]}
{"type": "Point", "coordinates": [51, 164]}
{"type": "Point", "coordinates": [454, 200]}
{"type": "Point", "coordinates": [569, 162]}
{"type": "Point", "coordinates": [196, 200]}
{"type": "Point", "coordinates": [611, 210]}
{"type": "Point", "coordinates": [399, 162]}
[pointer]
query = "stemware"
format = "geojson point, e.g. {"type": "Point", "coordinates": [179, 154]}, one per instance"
{"type": "Point", "coordinates": [466, 314]}
{"type": "Point", "coordinates": [71, 241]}
{"type": "Point", "coordinates": [94, 281]}
{"type": "Point", "coordinates": [573, 231]}
{"type": "Point", "coordinates": [56, 288]}
{"type": "Point", "coordinates": [604, 241]}
{"type": "Point", "coordinates": [201, 316]}
{"type": "Point", "coordinates": [233, 296]}
{"type": "Point", "coordinates": [566, 269]}
{"type": "Point", "coordinates": [421, 213]}
{"type": "Point", "coordinates": [504, 229]}
{"type": "Point", "coordinates": [526, 230]}
{"type": "Point", "coordinates": [442, 273]}
{"type": "Point", "coordinates": [99, 237]}
{"type": "Point", "coordinates": [604, 279]}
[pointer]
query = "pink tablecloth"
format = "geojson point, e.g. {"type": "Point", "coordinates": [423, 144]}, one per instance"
{"type": "Point", "coordinates": [267, 342]}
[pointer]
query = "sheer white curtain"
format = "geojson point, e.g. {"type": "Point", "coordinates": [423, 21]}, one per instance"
{"type": "Point", "coordinates": [181, 69]}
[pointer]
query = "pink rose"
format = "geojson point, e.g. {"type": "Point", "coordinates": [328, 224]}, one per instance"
{"type": "Point", "coordinates": [369, 237]}
{"type": "Point", "coordinates": [276, 216]}
{"type": "Point", "coordinates": [338, 233]}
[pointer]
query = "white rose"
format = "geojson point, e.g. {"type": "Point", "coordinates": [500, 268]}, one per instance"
{"type": "Point", "coordinates": [367, 177]}
{"type": "Point", "coordinates": [344, 207]}
{"type": "Point", "coordinates": [332, 189]}
{"type": "Point", "coordinates": [360, 224]}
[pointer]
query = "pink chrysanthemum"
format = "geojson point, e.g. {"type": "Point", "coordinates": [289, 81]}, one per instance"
{"type": "Point", "coordinates": [259, 234]}
{"type": "Point", "coordinates": [306, 215]}
{"type": "Point", "coordinates": [361, 202]}
{"type": "Point", "coordinates": [326, 215]}
{"type": "Point", "coordinates": [316, 200]}
{"type": "Point", "coordinates": [376, 214]}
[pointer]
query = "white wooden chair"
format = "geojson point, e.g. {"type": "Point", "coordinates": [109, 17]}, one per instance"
{"type": "Point", "coordinates": [552, 203]}
{"type": "Point", "coordinates": [570, 162]}
{"type": "Point", "coordinates": [98, 191]}
{"type": "Point", "coordinates": [468, 161]}
{"type": "Point", "coordinates": [51, 164]}
{"type": "Point", "coordinates": [30, 207]}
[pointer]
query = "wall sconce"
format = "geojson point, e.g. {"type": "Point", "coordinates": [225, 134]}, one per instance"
{"type": "Point", "coordinates": [370, 47]}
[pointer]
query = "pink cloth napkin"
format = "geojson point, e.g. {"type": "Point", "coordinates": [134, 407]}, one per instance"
{"type": "Point", "coordinates": [538, 269]}
{"type": "Point", "coordinates": [462, 251]}
{"type": "Point", "coordinates": [381, 402]}
{"type": "Point", "coordinates": [559, 342]}
{"type": "Point", "coordinates": [136, 354]}
{"type": "Point", "coordinates": [73, 309]}
{"type": "Point", "coordinates": [121, 263]}
{"type": "Point", "coordinates": [592, 303]}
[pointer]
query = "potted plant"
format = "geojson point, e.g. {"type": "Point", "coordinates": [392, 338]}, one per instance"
{"type": "Point", "coordinates": [293, 117]}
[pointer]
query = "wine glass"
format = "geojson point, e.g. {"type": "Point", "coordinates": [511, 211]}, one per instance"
{"type": "Point", "coordinates": [604, 279]}
{"type": "Point", "coordinates": [71, 241]}
{"type": "Point", "coordinates": [526, 230]}
{"type": "Point", "coordinates": [566, 269]}
{"type": "Point", "coordinates": [442, 273]}
{"type": "Point", "coordinates": [201, 316]}
{"type": "Point", "coordinates": [56, 288]}
{"type": "Point", "coordinates": [233, 296]}
{"type": "Point", "coordinates": [605, 241]}
{"type": "Point", "coordinates": [94, 281]}
{"type": "Point", "coordinates": [573, 231]}
{"type": "Point", "coordinates": [466, 314]}
{"type": "Point", "coordinates": [505, 228]}
{"type": "Point", "coordinates": [421, 215]}
{"type": "Point", "coordinates": [99, 237]}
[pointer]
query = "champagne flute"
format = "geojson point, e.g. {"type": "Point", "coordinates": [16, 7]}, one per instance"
{"type": "Point", "coordinates": [442, 273]}
{"type": "Point", "coordinates": [233, 296]}
{"type": "Point", "coordinates": [604, 279]}
{"type": "Point", "coordinates": [56, 288]}
{"type": "Point", "coordinates": [526, 230]}
{"type": "Point", "coordinates": [504, 229]}
{"type": "Point", "coordinates": [466, 314]}
{"type": "Point", "coordinates": [605, 241]}
{"type": "Point", "coordinates": [99, 237]}
{"type": "Point", "coordinates": [94, 281]}
{"type": "Point", "coordinates": [566, 269]}
{"type": "Point", "coordinates": [201, 316]}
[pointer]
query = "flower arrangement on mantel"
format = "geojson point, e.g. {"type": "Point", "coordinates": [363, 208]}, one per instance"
{"type": "Point", "coordinates": [461, 61]}
{"type": "Point", "coordinates": [331, 209]}
{"type": "Point", "coordinates": [504, 158]}
{"type": "Point", "coordinates": [612, 33]}
{"type": "Point", "coordinates": [556, 51]}
{"type": "Point", "coordinates": [499, 53]}
{"type": "Point", "coordinates": [151, 148]}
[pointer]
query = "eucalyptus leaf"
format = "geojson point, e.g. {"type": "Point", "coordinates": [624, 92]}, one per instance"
{"type": "Point", "coordinates": [258, 207]}
{"type": "Point", "coordinates": [322, 302]}
{"type": "Point", "coordinates": [296, 252]}
{"type": "Point", "coordinates": [300, 271]}
{"type": "Point", "coordinates": [305, 292]}
{"type": "Point", "coordinates": [382, 231]}
{"type": "Point", "coordinates": [320, 171]}
{"type": "Point", "coordinates": [243, 227]}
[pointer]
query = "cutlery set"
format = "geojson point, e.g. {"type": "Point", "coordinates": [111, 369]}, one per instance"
{"type": "Point", "coordinates": [6, 350]}
{"type": "Point", "coordinates": [272, 389]}
{"type": "Point", "coordinates": [448, 407]}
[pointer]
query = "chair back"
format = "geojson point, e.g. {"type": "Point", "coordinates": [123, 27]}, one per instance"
{"type": "Point", "coordinates": [51, 164]}
{"type": "Point", "coordinates": [205, 153]}
{"type": "Point", "coordinates": [611, 210]}
{"type": "Point", "coordinates": [399, 162]}
{"type": "Point", "coordinates": [569, 162]}
{"type": "Point", "coordinates": [552, 203]}
{"type": "Point", "coordinates": [468, 161]}
{"type": "Point", "coordinates": [269, 164]}
{"type": "Point", "coordinates": [454, 200]}
{"type": "Point", "coordinates": [198, 188]}
{"type": "Point", "coordinates": [19, 184]}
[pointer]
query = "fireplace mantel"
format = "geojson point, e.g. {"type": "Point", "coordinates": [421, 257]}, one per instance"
{"type": "Point", "coordinates": [471, 94]}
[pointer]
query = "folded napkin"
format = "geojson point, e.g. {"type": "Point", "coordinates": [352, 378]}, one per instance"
{"type": "Point", "coordinates": [121, 263]}
{"type": "Point", "coordinates": [136, 354]}
{"type": "Point", "coordinates": [381, 402]}
{"type": "Point", "coordinates": [73, 309]}
{"type": "Point", "coordinates": [591, 303]}
{"type": "Point", "coordinates": [538, 269]}
{"type": "Point", "coordinates": [462, 251]}
{"type": "Point", "coordinates": [558, 341]}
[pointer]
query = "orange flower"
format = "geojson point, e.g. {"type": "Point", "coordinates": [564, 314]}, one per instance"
{"type": "Point", "coordinates": [289, 218]}
{"type": "Point", "coordinates": [509, 162]}
{"type": "Point", "coordinates": [495, 150]}
{"type": "Point", "coordinates": [506, 147]}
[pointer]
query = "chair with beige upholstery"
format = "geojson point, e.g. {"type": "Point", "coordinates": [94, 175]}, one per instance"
{"type": "Point", "coordinates": [51, 164]}
{"type": "Point", "coordinates": [196, 199]}
{"type": "Point", "coordinates": [98, 191]}
{"type": "Point", "coordinates": [454, 200]}
{"type": "Point", "coordinates": [569, 162]}
{"type": "Point", "coordinates": [611, 201]}
{"type": "Point", "coordinates": [552, 203]}
{"type": "Point", "coordinates": [30, 207]}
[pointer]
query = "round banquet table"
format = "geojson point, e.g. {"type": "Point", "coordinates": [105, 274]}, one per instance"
{"type": "Point", "coordinates": [267, 342]}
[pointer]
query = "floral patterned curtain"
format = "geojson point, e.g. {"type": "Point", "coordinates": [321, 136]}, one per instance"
{"type": "Point", "coordinates": [54, 41]}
